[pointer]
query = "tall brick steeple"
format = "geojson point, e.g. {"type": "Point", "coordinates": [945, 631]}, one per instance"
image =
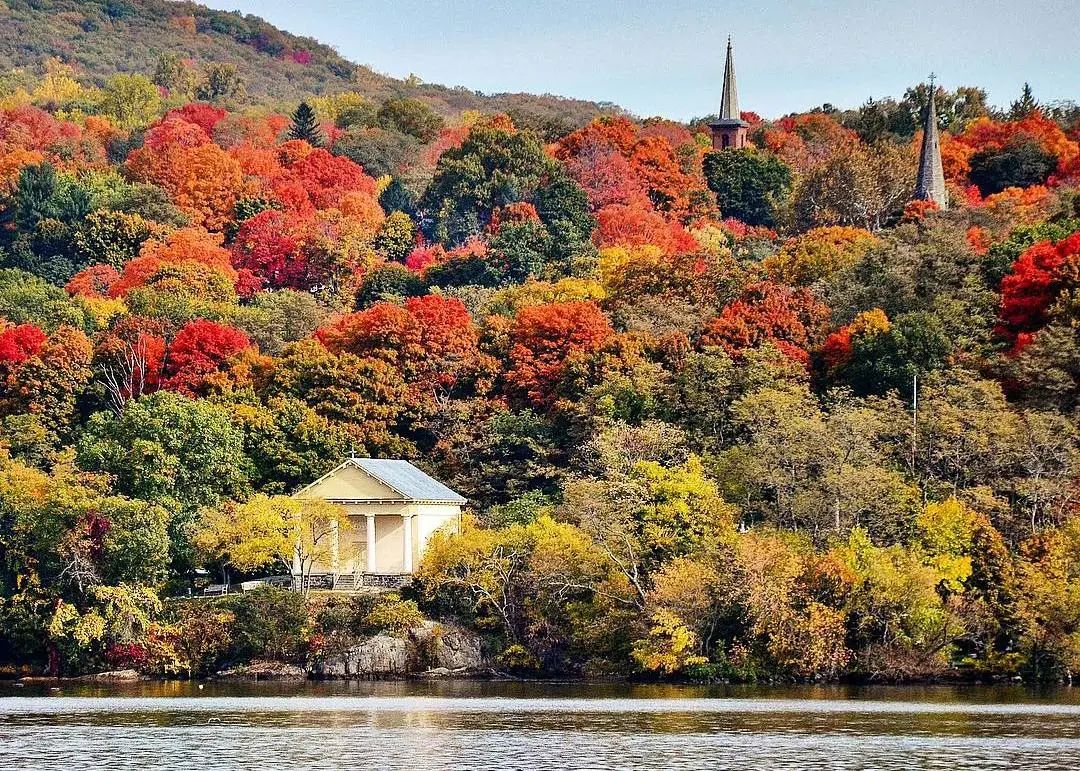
{"type": "Point", "coordinates": [729, 131]}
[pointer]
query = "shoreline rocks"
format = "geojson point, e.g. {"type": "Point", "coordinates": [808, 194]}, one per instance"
{"type": "Point", "coordinates": [429, 650]}
{"type": "Point", "coordinates": [112, 676]}
{"type": "Point", "coordinates": [378, 656]}
{"type": "Point", "coordinates": [263, 671]}
{"type": "Point", "coordinates": [447, 646]}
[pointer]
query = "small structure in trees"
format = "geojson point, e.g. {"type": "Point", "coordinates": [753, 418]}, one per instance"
{"type": "Point", "coordinates": [393, 508]}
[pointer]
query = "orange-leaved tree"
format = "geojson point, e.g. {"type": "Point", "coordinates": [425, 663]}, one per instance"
{"type": "Point", "coordinates": [543, 337]}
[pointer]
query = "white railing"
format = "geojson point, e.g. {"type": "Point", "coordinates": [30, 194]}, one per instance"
{"type": "Point", "coordinates": [341, 582]}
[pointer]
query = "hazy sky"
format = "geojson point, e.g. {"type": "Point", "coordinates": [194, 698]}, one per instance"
{"type": "Point", "coordinates": [666, 58]}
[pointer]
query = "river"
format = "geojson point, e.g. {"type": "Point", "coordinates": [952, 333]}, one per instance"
{"type": "Point", "coordinates": [500, 725]}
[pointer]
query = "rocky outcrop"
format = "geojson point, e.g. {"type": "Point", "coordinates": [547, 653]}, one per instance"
{"type": "Point", "coordinates": [446, 646]}
{"type": "Point", "coordinates": [430, 649]}
{"type": "Point", "coordinates": [378, 656]}
{"type": "Point", "coordinates": [112, 676]}
{"type": "Point", "coordinates": [263, 670]}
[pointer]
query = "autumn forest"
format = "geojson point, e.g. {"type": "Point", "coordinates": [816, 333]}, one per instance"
{"type": "Point", "coordinates": [743, 414]}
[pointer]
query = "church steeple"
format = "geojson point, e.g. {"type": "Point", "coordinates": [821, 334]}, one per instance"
{"type": "Point", "coordinates": [930, 185]}
{"type": "Point", "coordinates": [729, 103]}
{"type": "Point", "coordinates": [729, 131]}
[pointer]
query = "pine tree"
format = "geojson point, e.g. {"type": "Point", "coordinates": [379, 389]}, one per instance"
{"type": "Point", "coordinates": [305, 126]}
{"type": "Point", "coordinates": [1023, 106]}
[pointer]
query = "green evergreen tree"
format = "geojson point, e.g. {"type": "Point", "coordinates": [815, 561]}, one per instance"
{"type": "Point", "coordinates": [1023, 106]}
{"type": "Point", "coordinates": [35, 196]}
{"type": "Point", "coordinates": [305, 126]}
{"type": "Point", "coordinates": [397, 197]}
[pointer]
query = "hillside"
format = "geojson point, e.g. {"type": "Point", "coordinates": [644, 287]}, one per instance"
{"type": "Point", "coordinates": [750, 414]}
{"type": "Point", "coordinates": [105, 37]}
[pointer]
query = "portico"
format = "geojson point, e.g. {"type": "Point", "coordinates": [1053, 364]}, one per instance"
{"type": "Point", "coordinates": [394, 508]}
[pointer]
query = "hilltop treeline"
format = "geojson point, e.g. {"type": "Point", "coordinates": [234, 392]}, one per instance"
{"type": "Point", "coordinates": [677, 386]}
{"type": "Point", "coordinates": [255, 61]}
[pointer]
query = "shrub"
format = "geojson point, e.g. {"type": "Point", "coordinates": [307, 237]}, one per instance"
{"type": "Point", "coordinates": [270, 623]}
{"type": "Point", "coordinates": [394, 615]}
{"type": "Point", "coordinates": [340, 621]}
{"type": "Point", "coordinates": [341, 618]}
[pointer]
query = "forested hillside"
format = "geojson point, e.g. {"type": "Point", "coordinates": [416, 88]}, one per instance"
{"type": "Point", "coordinates": [677, 386]}
{"type": "Point", "coordinates": [102, 38]}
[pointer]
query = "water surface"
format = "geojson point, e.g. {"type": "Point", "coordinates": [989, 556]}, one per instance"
{"type": "Point", "coordinates": [444, 725]}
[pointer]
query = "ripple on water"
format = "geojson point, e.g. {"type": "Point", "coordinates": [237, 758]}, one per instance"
{"type": "Point", "coordinates": [431, 732]}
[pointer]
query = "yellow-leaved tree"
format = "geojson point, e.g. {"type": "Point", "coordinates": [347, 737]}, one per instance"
{"type": "Point", "coordinates": [267, 530]}
{"type": "Point", "coordinates": [670, 647]}
{"type": "Point", "coordinates": [318, 527]}
{"type": "Point", "coordinates": [947, 531]}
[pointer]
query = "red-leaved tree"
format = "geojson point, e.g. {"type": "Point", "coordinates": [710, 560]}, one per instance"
{"type": "Point", "coordinates": [1037, 278]}
{"type": "Point", "coordinates": [791, 319]}
{"type": "Point", "coordinates": [544, 336]}
{"type": "Point", "coordinates": [19, 343]}
{"type": "Point", "coordinates": [270, 246]}
{"type": "Point", "coordinates": [198, 351]}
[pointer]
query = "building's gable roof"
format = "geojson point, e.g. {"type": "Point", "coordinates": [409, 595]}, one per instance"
{"type": "Point", "coordinates": [400, 476]}
{"type": "Point", "coordinates": [408, 480]}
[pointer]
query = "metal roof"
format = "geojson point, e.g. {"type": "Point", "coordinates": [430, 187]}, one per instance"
{"type": "Point", "coordinates": [407, 479]}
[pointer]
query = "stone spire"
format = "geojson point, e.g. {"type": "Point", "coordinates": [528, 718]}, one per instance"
{"type": "Point", "coordinates": [729, 130]}
{"type": "Point", "coordinates": [729, 103]}
{"type": "Point", "coordinates": [930, 185]}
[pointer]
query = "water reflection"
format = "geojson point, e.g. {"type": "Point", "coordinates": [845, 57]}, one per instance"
{"type": "Point", "coordinates": [439, 725]}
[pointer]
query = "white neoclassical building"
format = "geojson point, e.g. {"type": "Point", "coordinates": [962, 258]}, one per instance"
{"type": "Point", "coordinates": [394, 508]}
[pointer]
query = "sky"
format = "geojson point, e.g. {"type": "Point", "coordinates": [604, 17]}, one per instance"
{"type": "Point", "coordinates": [666, 58]}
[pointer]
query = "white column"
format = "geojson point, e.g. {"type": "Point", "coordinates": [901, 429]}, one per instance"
{"type": "Point", "coordinates": [335, 542]}
{"type": "Point", "coordinates": [407, 519]}
{"type": "Point", "coordinates": [370, 543]}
